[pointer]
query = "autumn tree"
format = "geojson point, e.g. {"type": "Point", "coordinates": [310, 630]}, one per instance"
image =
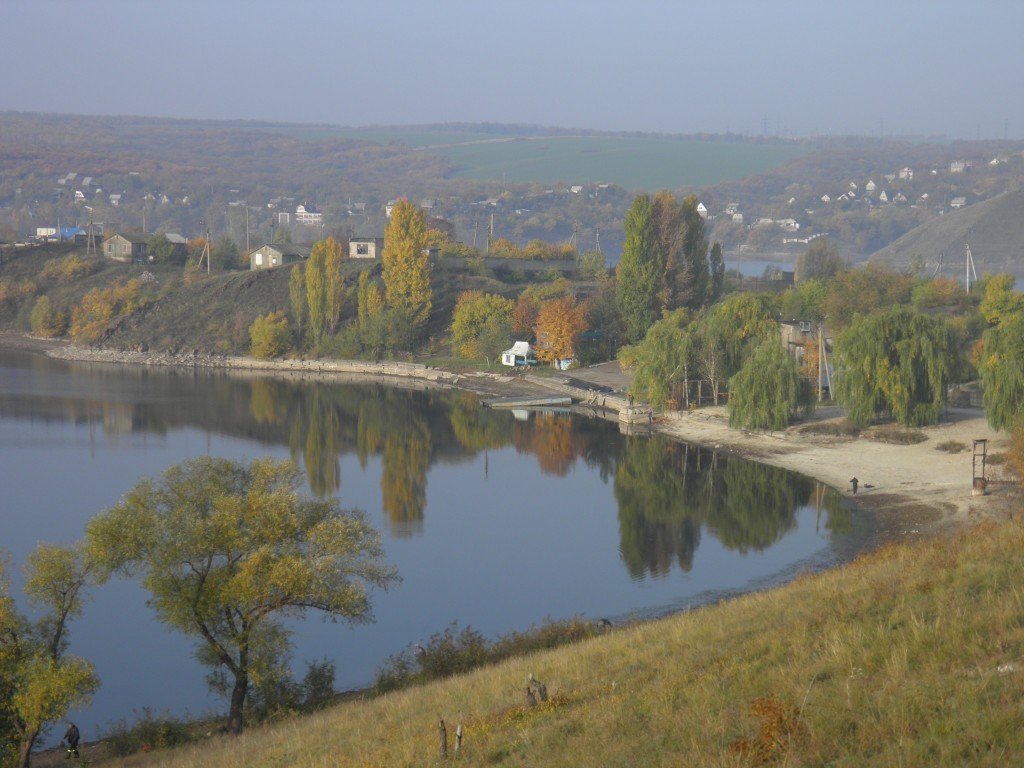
{"type": "Point", "coordinates": [1000, 302]}
{"type": "Point", "coordinates": [228, 550]}
{"type": "Point", "coordinates": [316, 291]}
{"type": "Point", "coordinates": [45, 320]}
{"type": "Point", "coordinates": [406, 264]}
{"type": "Point", "coordinates": [369, 299]}
{"type": "Point", "coordinates": [638, 275]}
{"type": "Point", "coordinates": [768, 390]}
{"type": "Point", "coordinates": [334, 285]}
{"type": "Point", "coordinates": [667, 217]}
{"type": "Point", "coordinates": [39, 680]}
{"type": "Point", "coordinates": [820, 261]}
{"type": "Point", "coordinates": [297, 297]}
{"type": "Point", "coordinates": [559, 325]}
{"type": "Point", "coordinates": [270, 336]}
{"type": "Point", "coordinates": [895, 362]}
{"type": "Point", "coordinates": [478, 314]}
{"type": "Point", "coordinates": [864, 290]}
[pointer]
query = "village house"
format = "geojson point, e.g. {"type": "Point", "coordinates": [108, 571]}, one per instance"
{"type": "Point", "coordinates": [519, 354]}
{"type": "Point", "coordinates": [277, 255]}
{"type": "Point", "coordinates": [957, 166]}
{"type": "Point", "coordinates": [870, 186]}
{"type": "Point", "coordinates": [130, 246]}
{"type": "Point", "coordinates": [907, 174]}
{"type": "Point", "coordinates": [958, 202]}
{"type": "Point", "coordinates": [702, 210]}
{"type": "Point", "coordinates": [365, 247]}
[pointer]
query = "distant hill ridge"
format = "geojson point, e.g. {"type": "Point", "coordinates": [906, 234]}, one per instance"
{"type": "Point", "coordinates": [994, 229]}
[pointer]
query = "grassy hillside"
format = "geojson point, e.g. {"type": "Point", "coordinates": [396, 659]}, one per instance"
{"type": "Point", "coordinates": [994, 229]}
{"type": "Point", "coordinates": [910, 656]}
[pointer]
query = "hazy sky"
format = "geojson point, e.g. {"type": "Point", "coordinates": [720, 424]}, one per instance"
{"type": "Point", "coordinates": [856, 66]}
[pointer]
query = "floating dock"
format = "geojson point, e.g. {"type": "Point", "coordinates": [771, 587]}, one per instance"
{"type": "Point", "coordinates": [528, 402]}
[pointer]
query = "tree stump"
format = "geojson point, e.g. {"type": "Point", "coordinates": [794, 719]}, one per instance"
{"type": "Point", "coordinates": [442, 733]}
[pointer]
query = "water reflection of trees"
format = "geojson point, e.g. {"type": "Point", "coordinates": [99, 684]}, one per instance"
{"type": "Point", "coordinates": [668, 493]}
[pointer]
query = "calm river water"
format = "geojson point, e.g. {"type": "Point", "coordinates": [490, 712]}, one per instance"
{"type": "Point", "coordinates": [493, 521]}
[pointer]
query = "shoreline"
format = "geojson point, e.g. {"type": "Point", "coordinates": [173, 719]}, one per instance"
{"type": "Point", "coordinates": [915, 489]}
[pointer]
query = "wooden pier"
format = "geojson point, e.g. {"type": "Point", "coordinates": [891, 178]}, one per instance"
{"type": "Point", "coordinates": [528, 402]}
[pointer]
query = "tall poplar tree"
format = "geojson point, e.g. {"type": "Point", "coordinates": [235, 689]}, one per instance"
{"type": "Point", "coordinates": [334, 285]}
{"type": "Point", "coordinates": [694, 276]}
{"type": "Point", "coordinates": [316, 290]}
{"type": "Point", "coordinates": [668, 230]}
{"type": "Point", "coordinates": [406, 264]}
{"type": "Point", "coordinates": [297, 296]}
{"type": "Point", "coordinates": [716, 267]}
{"type": "Point", "coordinates": [638, 273]}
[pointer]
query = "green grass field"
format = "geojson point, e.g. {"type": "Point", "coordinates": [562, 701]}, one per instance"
{"type": "Point", "coordinates": [648, 163]}
{"type": "Point", "coordinates": [634, 162]}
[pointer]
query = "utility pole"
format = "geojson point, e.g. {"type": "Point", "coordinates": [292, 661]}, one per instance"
{"type": "Point", "coordinates": [476, 227]}
{"type": "Point", "coordinates": [597, 239]}
{"type": "Point", "coordinates": [968, 268]}
{"type": "Point", "coordinates": [247, 228]}
{"type": "Point", "coordinates": [90, 238]}
{"type": "Point", "coordinates": [490, 234]}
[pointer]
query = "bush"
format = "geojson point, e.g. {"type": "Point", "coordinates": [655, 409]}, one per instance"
{"type": "Point", "coordinates": [891, 433]}
{"type": "Point", "coordinates": [69, 269]}
{"type": "Point", "coordinates": [270, 335]}
{"type": "Point", "coordinates": [454, 651]}
{"type": "Point", "coordinates": [838, 428]}
{"type": "Point", "coordinates": [148, 732]}
{"type": "Point", "coordinates": [46, 321]}
{"type": "Point", "coordinates": [951, 446]}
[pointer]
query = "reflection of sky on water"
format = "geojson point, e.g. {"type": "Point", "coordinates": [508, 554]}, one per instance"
{"type": "Point", "coordinates": [495, 542]}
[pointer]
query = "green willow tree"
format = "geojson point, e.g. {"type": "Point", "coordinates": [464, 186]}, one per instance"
{"type": "Point", "coordinates": [895, 363]}
{"type": "Point", "coordinates": [334, 286]}
{"type": "Point", "coordinates": [228, 550]}
{"type": "Point", "coordinates": [406, 263]}
{"type": "Point", "coordinates": [664, 362]}
{"type": "Point", "coordinates": [716, 268]}
{"type": "Point", "coordinates": [638, 275]}
{"type": "Point", "coordinates": [768, 390]}
{"type": "Point", "coordinates": [39, 680]}
{"type": "Point", "coordinates": [1002, 372]}
{"type": "Point", "coordinates": [668, 232]}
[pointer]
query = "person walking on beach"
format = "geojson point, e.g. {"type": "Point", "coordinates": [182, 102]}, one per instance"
{"type": "Point", "coordinates": [853, 484]}
{"type": "Point", "coordinates": [71, 737]}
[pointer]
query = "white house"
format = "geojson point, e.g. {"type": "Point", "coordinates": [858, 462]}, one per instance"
{"type": "Point", "coordinates": [957, 166]}
{"type": "Point", "coordinates": [737, 218]}
{"type": "Point", "coordinates": [884, 197]}
{"type": "Point", "coordinates": [308, 215]}
{"type": "Point", "coordinates": [826, 199]}
{"type": "Point", "coordinates": [906, 173]}
{"type": "Point", "coordinates": [520, 353]}
{"type": "Point", "coordinates": [870, 186]}
{"type": "Point", "coordinates": [958, 202]}
{"type": "Point", "coordinates": [788, 225]}
{"type": "Point", "coordinates": [702, 210]}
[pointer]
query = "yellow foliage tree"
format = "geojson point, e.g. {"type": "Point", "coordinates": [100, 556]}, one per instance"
{"type": "Point", "coordinates": [269, 335]}
{"type": "Point", "coordinates": [474, 311]}
{"type": "Point", "coordinates": [406, 264]}
{"type": "Point", "coordinates": [101, 305]}
{"type": "Point", "coordinates": [559, 325]}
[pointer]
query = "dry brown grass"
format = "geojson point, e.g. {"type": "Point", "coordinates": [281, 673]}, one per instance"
{"type": "Point", "coordinates": [912, 655]}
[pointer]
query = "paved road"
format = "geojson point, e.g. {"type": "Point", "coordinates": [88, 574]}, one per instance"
{"type": "Point", "coordinates": [606, 374]}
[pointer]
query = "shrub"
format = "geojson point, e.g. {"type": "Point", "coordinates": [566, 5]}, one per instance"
{"type": "Point", "coordinates": [891, 433]}
{"type": "Point", "coordinates": [951, 446]}
{"type": "Point", "coordinates": [150, 731]}
{"type": "Point", "coordinates": [69, 268]}
{"type": "Point", "coordinates": [839, 428]}
{"type": "Point", "coordinates": [454, 651]}
{"type": "Point", "coordinates": [46, 321]}
{"type": "Point", "coordinates": [101, 305]}
{"type": "Point", "coordinates": [270, 336]}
